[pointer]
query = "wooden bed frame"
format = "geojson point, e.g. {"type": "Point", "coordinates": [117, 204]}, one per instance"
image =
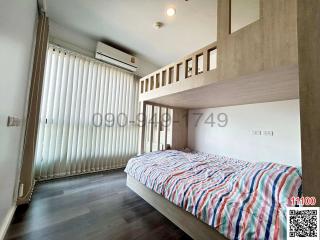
{"type": "Point", "coordinates": [183, 219]}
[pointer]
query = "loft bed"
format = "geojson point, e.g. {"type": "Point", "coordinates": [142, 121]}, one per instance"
{"type": "Point", "coordinates": [258, 63]}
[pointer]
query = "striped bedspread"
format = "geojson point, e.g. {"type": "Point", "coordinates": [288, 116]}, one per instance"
{"type": "Point", "coordinates": [239, 199]}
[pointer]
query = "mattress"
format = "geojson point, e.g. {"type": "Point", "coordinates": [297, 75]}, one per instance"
{"type": "Point", "coordinates": [241, 200]}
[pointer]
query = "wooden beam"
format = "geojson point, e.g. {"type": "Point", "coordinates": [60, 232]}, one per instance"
{"type": "Point", "coordinates": [143, 128]}
{"type": "Point", "coordinates": [151, 127]}
{"type": "Point", "coordinates": [160, 78]}
{"type": "Point", "coordinates": [309, 72]}
{"type": "Point", "coordinates": [194, 65]}
{"type": "Point", "coordinates": [159, 126]}
{"type": "Point", "coordinates": [166, 131]}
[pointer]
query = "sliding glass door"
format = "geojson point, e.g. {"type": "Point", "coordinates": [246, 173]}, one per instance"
{"type": "Point", "coordinates": [87, 117]}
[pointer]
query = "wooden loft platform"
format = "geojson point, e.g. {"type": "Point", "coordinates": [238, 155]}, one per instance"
{"type": "Point", "coordinates": [267, 86]}
{"type": "Point", "coordinates": [258, 63]}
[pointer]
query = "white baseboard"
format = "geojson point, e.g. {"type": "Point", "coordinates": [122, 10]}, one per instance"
{"type": "Point", "coordinates": [6, 222]}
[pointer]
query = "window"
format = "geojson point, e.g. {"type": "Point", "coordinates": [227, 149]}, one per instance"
{"type": "Point", "coordinates": [85, 114]}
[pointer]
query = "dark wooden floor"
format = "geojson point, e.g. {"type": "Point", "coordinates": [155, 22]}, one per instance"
{"type": "Point", "coordinates": [90, 207]}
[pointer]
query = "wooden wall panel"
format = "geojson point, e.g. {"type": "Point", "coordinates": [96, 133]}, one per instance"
{"type": "Point", "coordinates": [179, 128]}
{"type": "Point", "coordinates": [279, 25]}
{"type": "Point", "coordinates": [270, 42]}
{"type": "Point", "coordinates": [239, 53]}
{"type": "Point", "coordinates": [30, 137]}
{"type": "Point", "coordinates": [309, 72]}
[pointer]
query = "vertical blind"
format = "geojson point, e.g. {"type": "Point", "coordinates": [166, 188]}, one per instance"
{"type": "Point", "coordinates": [87, 117]}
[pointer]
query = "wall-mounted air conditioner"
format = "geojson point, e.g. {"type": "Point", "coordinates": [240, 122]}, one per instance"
{"type": "Point", "coordinates": [115, 57]}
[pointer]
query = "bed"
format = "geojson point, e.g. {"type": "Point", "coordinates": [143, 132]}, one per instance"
{"type": "Point", "coordinates": [215, 197]}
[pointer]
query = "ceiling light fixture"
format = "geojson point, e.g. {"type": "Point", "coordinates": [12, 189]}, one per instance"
{"type": "Point", "coordinates": [171, 12]}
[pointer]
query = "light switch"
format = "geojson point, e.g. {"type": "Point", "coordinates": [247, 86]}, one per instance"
{"type": "Point", "coordinates": [13, 121]}
{"type": "Point", "coordinates": [256, 132]}
{"type": "Point", "coordinates": [268, 133]}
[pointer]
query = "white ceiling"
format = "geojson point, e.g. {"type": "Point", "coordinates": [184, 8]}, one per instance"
{"type": "Point", "coordinates": [128, 24]}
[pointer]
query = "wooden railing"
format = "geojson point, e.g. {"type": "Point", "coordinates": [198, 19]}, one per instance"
{"type": "Point", "coordinates": [163, 128]}
{"type": "Point", "coordinates": [194, 64]}
{"type": "Point", "coordinates": [156, 131]}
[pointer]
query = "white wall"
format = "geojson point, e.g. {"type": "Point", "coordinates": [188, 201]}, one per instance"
{"type": "Point", "coordinates": [84, 44]}
{"type": "Point", "coordinates": [238, 139]}
{"type": "Point", "coordinates": [17, 26]}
